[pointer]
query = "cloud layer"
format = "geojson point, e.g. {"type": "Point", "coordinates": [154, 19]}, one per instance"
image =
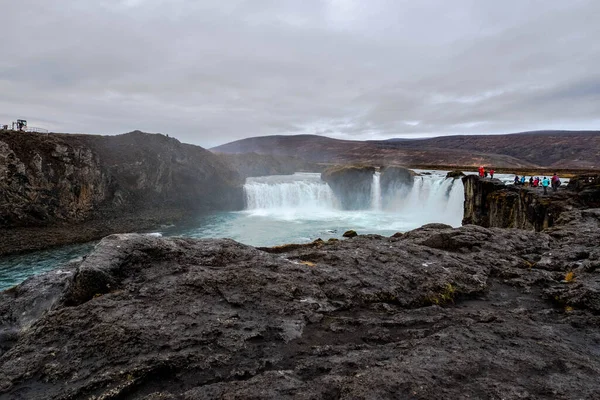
{"type": "Point", "coordinates": [209, 72]}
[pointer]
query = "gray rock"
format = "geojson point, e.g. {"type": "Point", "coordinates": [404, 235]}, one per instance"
{"type": "Point", "coordinates": [435, 313]}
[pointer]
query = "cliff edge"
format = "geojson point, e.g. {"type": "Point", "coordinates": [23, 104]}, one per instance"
{"type": "Point", "coordinates": [491, 203]}
{"type": "Point", "coordinates": [59, 180]}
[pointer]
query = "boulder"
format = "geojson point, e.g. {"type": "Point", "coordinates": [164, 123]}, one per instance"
{"type": "Point", "coordinates": [350, 234]}
{"type": "Point", "coordinates": [455, 174]}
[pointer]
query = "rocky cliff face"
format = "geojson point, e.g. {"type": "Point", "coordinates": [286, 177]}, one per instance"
{"type": "Point", "coordinates": [490, 203]}
{"type": "Point", "coordinates": [48, 180]}
{"type": "Point", "coordinates": [351, 185]}
{"type": "Point", "coordinates": [587, 187]}
{"type": "Point", "coordinates": [434, 313]}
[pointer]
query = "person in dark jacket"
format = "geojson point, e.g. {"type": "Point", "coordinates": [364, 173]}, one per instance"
{"type": "Point", "coordinates": [555, 182]}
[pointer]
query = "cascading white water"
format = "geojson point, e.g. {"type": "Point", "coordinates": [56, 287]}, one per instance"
{"type": "Point", "coordinates": [376, 192]}
{"type": "Point", "coordinates": [432, 198]}
{"type": "Point", "coordinates": [298, 191]}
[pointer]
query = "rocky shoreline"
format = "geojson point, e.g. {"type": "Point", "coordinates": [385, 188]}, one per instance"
{"type": "Point", "coordinates": [437, 312]}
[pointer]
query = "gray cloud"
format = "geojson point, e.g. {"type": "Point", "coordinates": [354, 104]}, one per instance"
{"type": "Point", "coordinates": [209, 72]}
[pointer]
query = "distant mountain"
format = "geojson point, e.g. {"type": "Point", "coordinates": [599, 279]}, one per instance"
{"type": "Point", "coordinates": [560, 149]}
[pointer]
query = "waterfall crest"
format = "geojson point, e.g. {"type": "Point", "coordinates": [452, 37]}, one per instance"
{"type": "Point", "coordinates": [431, 198]}
{"type": "Point", "coordinates": [298, 191]}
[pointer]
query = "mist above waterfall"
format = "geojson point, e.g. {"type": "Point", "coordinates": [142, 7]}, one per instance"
{"type": "Point", "coordinates": [431, 198]}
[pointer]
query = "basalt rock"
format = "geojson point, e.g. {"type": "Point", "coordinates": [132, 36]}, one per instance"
{"type": "Point", "coordinates": [61, 180]}
{"type": "Point", "coordinates": [455, 174]}
{"type": "Point", "coordinates": [587, 187]}
{"type": "Point", "coordinates": [351, 185]}
{"type": "Point", "coordinates": [350, 234]}
{"type": "Point", "coordinates": [491, 203]}
{"type": "Point", "coordinates": [438, 312]}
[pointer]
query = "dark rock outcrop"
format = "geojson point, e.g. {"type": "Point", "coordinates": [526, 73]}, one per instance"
{"type": "Point", "coordinates": [491, 203]}
{"type": "Point", "coordinates": [436, 313]}
{"type": "Point", "coordinates": [350, 234]}
{"type": "Point", "coordinates": [587, 187]}
{"type": "Point", "coordinates": [455, 174]}
{"type": "Point", "coordinates": [351, 185]}
{"type": "Point", "coordinates": [60, 180]}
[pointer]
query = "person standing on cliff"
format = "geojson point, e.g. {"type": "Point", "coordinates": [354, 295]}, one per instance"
{"type": "Point", "coordinates": [481, 169]}
{"type": "Point", "coordinates": [492, 173]}
{"type": "Point", "coordinates": [545, 184]}
{"type": "Point", "coordinates": [555, 182]}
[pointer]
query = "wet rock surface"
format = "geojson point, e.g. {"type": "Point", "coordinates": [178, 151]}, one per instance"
{"type": "Point", "coordinates": [434, 313]}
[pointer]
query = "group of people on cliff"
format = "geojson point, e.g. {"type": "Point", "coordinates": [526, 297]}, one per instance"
{"type": "Point", "coordinates": [483, 173]}
{"type": "Point", "coordinates": [554, 182]}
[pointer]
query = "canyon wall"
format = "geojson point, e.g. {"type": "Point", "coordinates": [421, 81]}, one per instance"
{"type": "Point", "coordinates": [61, 180]}
{"type": "Point", "coordinates": [490, 203]}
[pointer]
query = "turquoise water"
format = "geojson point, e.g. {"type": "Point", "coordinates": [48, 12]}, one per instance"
{"type": "Point", "coordinates": [257, 228]}
{"type": "Point", "coordinates": [15, 269]}
{"type": "Point", "coordinates": [286, 209]}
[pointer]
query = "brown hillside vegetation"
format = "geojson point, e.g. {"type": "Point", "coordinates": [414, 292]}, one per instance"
{"type": "Point", "coordinates": [560, 149]}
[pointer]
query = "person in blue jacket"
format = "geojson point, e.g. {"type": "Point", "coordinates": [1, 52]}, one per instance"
{"type": "Point", "coordinates": [545, 184]}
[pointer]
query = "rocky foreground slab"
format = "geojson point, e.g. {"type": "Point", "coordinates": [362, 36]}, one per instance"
{"type": "Point", "coordinates": [436, 313]}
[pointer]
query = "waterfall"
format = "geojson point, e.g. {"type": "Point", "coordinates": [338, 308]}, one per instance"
{"type": "Point", "coordinates": [376, 192]}
{"type": "Point", "coordinates": [432, 198]}
{"type": "Point", "coordinates": [298, 191]}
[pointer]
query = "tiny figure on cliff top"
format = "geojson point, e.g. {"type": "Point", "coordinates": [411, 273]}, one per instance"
{"type": "Point", "coordinates": [523, 180]}
{"type": "Point", "coordinates": [517, 180]}
{"type": "Point", "coordinates": [481, 171]}
{"type": "Point", "coordinates": [492, 173]}
{"type": "Point", "coordinates": [531, 182]}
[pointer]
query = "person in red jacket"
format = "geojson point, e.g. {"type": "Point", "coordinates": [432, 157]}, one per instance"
{"type": "Point", "coordinates": [492, 173]}
{"type": "Point", "coordinates": [481, 171]}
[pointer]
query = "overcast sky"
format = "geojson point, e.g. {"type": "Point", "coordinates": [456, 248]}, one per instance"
{"type": "Point", "coordinates": [208, 72]}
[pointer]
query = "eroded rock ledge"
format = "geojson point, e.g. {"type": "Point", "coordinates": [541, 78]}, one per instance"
{"type": "Point", "coordinates": [491, 203]}
{"type": "Point", "coordinates": [434, 313]}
